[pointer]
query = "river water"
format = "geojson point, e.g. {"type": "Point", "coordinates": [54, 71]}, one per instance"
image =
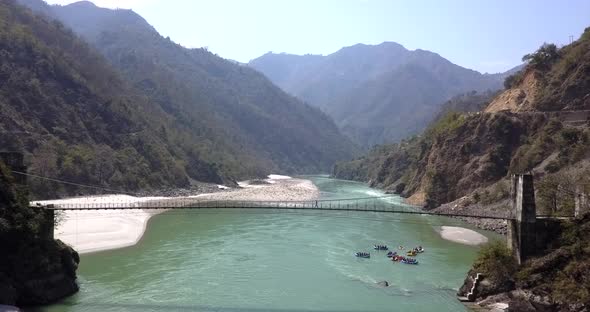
{"type": "Point", "coordinates": [256, 260]}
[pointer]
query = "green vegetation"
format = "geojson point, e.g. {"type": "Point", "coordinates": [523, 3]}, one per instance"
{"type": "Point", "coordinates": [543, 58]}
{"type": "Point", "coordinates": [562, 273]}
{"type": "Point", "coordinates": [74, 116]}
{"type": "Point", "coordinates": [495, 261]}
{"type": "Point", "coordinates": [554, 280]}
{"type": "Point", "coordinates": [34, 268]}
{"type": "Point", "coordinates": [143, 124]}
{"type": "Point", "coordinates": [446, 125]}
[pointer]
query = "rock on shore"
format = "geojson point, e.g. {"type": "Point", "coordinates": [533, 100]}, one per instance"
{"type": "Point", "coordinates": [462, 235]}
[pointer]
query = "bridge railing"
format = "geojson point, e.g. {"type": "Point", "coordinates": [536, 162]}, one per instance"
{"type": "Point", "coordinates": [374, 204]}
{"type": "Point", "coordinates": [368, 203]}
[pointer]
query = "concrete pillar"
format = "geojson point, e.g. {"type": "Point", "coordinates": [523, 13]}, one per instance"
{"type": "Point", "coordinates": [512, 238]}
{"type": "Point", "coordinates": [50, 225]}
{"type": "Point", "coordinates": [522, 229]}
{"type": "Point", "coordinates": [581, 202]}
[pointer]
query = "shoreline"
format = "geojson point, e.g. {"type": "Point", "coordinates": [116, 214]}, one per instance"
{"type": "Point", "coordinates": [497, 226]}
{"type": "Point", "coordinates": [146, 220]}
{"type": "Point", "coordinates": [94, 231]}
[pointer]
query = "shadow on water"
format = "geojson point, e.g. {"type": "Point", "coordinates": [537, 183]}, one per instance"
{"type": "Point", "coordinates": [177, 307]}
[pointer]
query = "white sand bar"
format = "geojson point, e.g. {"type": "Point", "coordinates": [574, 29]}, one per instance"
{"type": "Point", "coordinates": [92, 230]}
{"type": "Point", "coordinates": [462, 235]}
{"type": "Point", "coordinates": [278, 177]}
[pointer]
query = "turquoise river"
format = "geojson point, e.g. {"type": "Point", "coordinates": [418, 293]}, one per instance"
{"type": "Point", "coordinates": [257, 260]}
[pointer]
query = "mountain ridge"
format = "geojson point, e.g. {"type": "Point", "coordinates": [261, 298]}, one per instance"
{"type": "Point", "coordinates": [222, 121]}
{"type": "Point", "coordinates": [465, 155]}
{"type": "Point", "coordinates": [348, 78]}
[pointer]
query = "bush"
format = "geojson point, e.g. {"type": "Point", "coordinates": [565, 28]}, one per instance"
{"type": "Point", "coordinates": [496, 262]}
{"type": "Point", "coordinates": [499, 191]}
{"type": "Point", "coordinates": [446, 124]}
{"type": "Point", "coordinates": [513, 80]}
{"type": "Point", "coordinates": [572, 283]}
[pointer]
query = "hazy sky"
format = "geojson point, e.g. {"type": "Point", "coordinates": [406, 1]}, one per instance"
{"type": "Point", "coordinates": [485, 35]}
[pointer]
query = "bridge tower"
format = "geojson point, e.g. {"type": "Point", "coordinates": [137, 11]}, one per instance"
{"type": "Point", "coordinates": [522, 229]}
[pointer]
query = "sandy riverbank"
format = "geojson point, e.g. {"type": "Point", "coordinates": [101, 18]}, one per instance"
{"type": "Point", "coordinates": [90, 231]}
{"type": "Point", "coordinates": [462, 235]}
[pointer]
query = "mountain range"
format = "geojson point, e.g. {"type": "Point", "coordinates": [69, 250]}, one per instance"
{"type": "Point", "coordinates": [538, 124]}
{"type": "Point", "coordinates": [375, 93]}
{"type": "Point", "coordinates": [158, 113]}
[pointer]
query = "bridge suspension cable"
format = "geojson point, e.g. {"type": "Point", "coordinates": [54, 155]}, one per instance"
{"type": "Point", "coordinates": [73, 183]}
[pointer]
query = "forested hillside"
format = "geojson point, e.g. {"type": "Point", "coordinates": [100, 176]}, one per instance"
{"type": "Point", "coordinates": [74, 116]}
{"type": "Point", "coordinates": [211, 97]}
{"type": "Point", "coordinates": [376, 94]}
{"type": "Point", "coordinates": [162, 117]}
{"type": "Point", "coordinates": [470, 154]}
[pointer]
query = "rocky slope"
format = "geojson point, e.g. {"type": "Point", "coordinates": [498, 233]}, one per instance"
{"type": "Point", "coordinates": [556, 280]}
{"type": "Point", "coordinates": [558, 82]}
{"type": "Point", "coordinates": [376, 93]}
{"type": "Point", "coordinates": [466, 156]}
{"type": "Point", "coordinates": [457, 155]}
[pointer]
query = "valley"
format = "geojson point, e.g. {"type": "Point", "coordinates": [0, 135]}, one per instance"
{"type": "Point", "coordinates": [142, 169]}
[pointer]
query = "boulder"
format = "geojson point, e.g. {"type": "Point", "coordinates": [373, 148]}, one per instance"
{"type": "Point", "coordinates": [383, 284]}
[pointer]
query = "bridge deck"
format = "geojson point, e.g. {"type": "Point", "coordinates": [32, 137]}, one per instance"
{"type": "Point", "coordinates": [369, 204]}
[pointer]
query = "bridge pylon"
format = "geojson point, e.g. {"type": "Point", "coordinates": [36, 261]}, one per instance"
{"type": "Point", "coordinates": [521, 236]}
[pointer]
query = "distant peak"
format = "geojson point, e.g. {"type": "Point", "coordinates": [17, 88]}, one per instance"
{"type": "Point", "coordinates": [82, 4]}
{"type": "Point", "coordinates": [88, 5]}
{"type": "Point", "coordinates": [386, 45]}
{"type": "Point", "coordinates": [391, 44]}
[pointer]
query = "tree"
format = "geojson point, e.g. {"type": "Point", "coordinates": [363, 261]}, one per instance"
{"type": "Point", "coordinates": [555, 193]}
{"type": "Point", "coordinates": [544, 57]}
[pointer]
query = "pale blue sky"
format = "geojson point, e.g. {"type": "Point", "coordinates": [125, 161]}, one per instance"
{"type": "Point", "coordinates": [485, 35]}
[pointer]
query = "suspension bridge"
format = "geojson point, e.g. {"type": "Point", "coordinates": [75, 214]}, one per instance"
{"type": "Point", "coordinates": [525, 227]}
{"type": "Point", "coordinates": [383, 204]}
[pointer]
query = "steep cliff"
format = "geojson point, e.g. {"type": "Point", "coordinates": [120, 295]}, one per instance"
{"type": "Point", "coordinates": [34, 268]}
{"type": "Point", "coordinates": [454, 157]}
